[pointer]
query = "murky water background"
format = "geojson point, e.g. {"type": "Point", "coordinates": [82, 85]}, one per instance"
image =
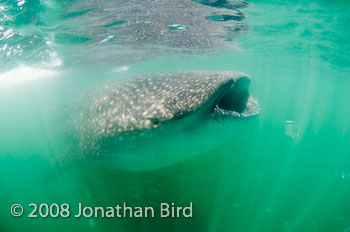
{"type": "Point", "coordinates": [286, 170]}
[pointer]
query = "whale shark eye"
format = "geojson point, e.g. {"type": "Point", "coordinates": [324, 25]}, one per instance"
{"type": "Point", "coordinates": [155, 121]}
{"type": "Point", "coordinates": [179, 115]}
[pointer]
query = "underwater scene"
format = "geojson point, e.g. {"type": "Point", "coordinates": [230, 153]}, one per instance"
{"type": "Point", "coordinates": [175, 115]}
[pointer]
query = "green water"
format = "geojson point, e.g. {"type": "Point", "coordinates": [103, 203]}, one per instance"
{"type": "Point", "coordinates": [286, 170]}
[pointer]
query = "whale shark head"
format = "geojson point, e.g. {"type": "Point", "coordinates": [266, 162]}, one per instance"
{"type": "Point", "coordinates": [149, 101]}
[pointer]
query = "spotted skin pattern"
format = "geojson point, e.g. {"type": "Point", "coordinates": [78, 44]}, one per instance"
{"type": "Point", "coordinates": [147, 101]}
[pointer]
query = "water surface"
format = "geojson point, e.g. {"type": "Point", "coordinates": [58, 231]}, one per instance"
{"type": "Point", "coordinates": [286, 170]}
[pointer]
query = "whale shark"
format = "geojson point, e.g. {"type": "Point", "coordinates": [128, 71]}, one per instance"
{"type": "Point", "coordinates": [122, 123]}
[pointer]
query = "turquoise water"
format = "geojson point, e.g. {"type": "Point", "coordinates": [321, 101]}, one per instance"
{"type": "Point", "coordinates": [286, 170]}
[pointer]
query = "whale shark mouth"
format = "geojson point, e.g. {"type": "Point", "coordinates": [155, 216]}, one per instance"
{"type": "Point", "coordinates": [235, 101]}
